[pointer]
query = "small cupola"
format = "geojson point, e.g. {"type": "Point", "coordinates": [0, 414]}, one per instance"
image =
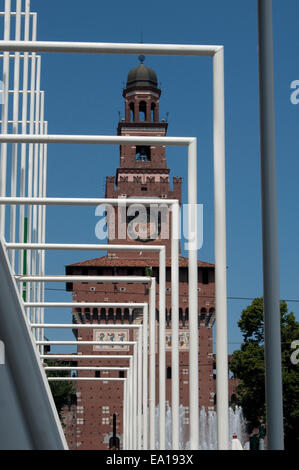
{"type": "Point", "coordinates": [142, 76]}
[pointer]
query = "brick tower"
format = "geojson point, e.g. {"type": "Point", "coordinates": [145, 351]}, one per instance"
{"type": "Point", "coordinates": [142, 172]}
{"type": "Point", "coordinates": [143, 169]}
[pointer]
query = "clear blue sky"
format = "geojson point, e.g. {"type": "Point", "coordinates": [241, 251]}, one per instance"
{"type": "Point", "coordinates": [84, 95]}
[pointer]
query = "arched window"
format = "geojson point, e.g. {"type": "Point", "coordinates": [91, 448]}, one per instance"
{"type": "Point", "coordinates": [143, 153]}
{"type": "Point", "coordinates": [168, 317]}
{"type": "Point", "coordinates": [132, 112]}
{"type": "Point", "coordinates": [87, 314]}
{"type": "Point", "coordinates": [142, 111]}
{"type": "Point", "coordinates": [110, 315]}
{"type": "Point", "coordinates": [210, 318]}
{"type": "Point", "coordinates": [126, 315]}
{"type": "Point", "coordinates": [153, 108]}
{"type": "Point", "coordinates": [134, 314]}
{"type": "Point", "coordinates": [203, 313]}
{"type": "Point", "coordinates": [187, 314]}
{"type": "Point", "coordinates": [181, 317]}
{"type": "Point", "coordinates": [205, 276]}
{"type": "Point", "coordinates": [103, 315]}
{"type": "Point", "coordinates": [79, 313]}
{"type": "Point", "coordinates": [118, 315]}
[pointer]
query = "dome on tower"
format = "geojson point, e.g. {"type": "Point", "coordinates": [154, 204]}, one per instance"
{"type": "Point", "coordinates": [142, 76]}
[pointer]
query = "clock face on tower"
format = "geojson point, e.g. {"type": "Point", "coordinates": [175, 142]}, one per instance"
{"type": "Point", "coordinates": [144, 231]}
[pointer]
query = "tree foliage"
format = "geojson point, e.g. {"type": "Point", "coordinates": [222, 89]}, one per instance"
{"type": "Point", "coordinates": [247, 364]}
{"type": "Point", "coordinates": [63, 392]}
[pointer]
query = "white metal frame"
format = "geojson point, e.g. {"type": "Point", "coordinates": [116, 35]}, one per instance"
{"type": "Point", "coordinates": [190, 143]}
{"type": "Point", "coordinates": [152, 326]}
{"type": "Point", "coordinates": [216, 52]}
{"type": "Point", "coordinates": [29, 419]}
{"type": "Point", "coordinates": [136, 434]}
{"type": "Point", "coordinates": [30, 116]}
{"type": "Point", "coordinates": [174, 297]}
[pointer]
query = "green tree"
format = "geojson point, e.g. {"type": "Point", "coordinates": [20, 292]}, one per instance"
{"type": "Point", "coordinates": [63, 392]}
{"type": "Point", "coordinates": [247, 364]}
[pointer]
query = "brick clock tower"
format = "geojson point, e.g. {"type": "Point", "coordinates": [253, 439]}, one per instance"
{"type": "Point", "coordinates": [142, 172]}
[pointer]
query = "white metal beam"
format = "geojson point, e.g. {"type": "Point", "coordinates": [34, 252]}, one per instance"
{"type": "Point", "coordinates": [109, 48]}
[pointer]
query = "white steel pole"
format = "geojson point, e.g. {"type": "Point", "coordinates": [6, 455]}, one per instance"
{"type": "Point", "coordinates": [40, 214]}
{"type": "Point", "coordinates": [69, 368]}
{"type": "Point", "coordinates": [81, 246]}
{"type": "Point", "coordinates": [139, 395]}
{"type": "Point", "coordinates": [131, 430]}
{"type": "Point", "coordinates": [152, 359]}
{"type": "Point", "coordinates": [124, 415]}
{"type": "Point", "coordinates": [162, 357]}
{"type": "Point", "coordinates": [84, 356]}
{"type": "Point", "coordinates": [220, 253]}
{"type": "Point", "coordinates": [44, 215]}
{"type": "Point", "coordinates": [135, 418]}
{"type": "Point", "coordinates": [75, 343]}
{"type": "Point", "coordinates": [30, 294]}
{"type": "Point", "coordinates": [71, 278]}
{"type": "Point", "coordinates": [3, 167]}
{"type": "Point", "coordinates": [80, 325]}
{"type": "Point", "coordinates": [100, 140]}
{"type": "Point", "coordinates": [36, 147]}
{"type": "Point", "coordinates": [15, 130]}
{"type": "Point", "coordinates": [193, 296]}
{"type": "Point", "coordinates": [129, 411]}
{"type": "Point", "coordinates": [22, 258]}
{"type": "Point", "coordinates": [41, 168]}
{"type": "Point", "coordinates": [56, 201]}
{"type": "Point", "coordinates": [129, 406]}
{"type": "Point", "coordinates": [67, 379]}
{"type": "Point", "coordinates": [175, 377]}
{"type": "Point", "coordinates": [111, 48]}
{"type": "Point", "coordinates": [38, 183]}
{"type": "Point", "coordinates": [34, 269]}
{"type": "Point", "coordinates": [145, 377]}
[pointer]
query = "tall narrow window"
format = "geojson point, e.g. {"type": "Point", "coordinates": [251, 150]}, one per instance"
{"type": "Point", "coordinates": [153, 107]}
{"type": "Point", "coordinates": [132, 112]}
{"type": "Point", "coordinates": [142, 111]}
{"type": "Point", "coordinates": [126, 315]}
{"type": "Point", "coordinates": [103, 315]}
{"type": "Point", "coordinates": [110, 315]}
{"type": "Point", "coordinates": [205, 276]}
{"type": "Point", "coordinates": [169, 372]}
{"type": "Point", "coordinates": [118, 315]}
{"type": "Point", "coordinates": [168, 318]}
{"type": "Point", "coordinates": [143, 153]}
